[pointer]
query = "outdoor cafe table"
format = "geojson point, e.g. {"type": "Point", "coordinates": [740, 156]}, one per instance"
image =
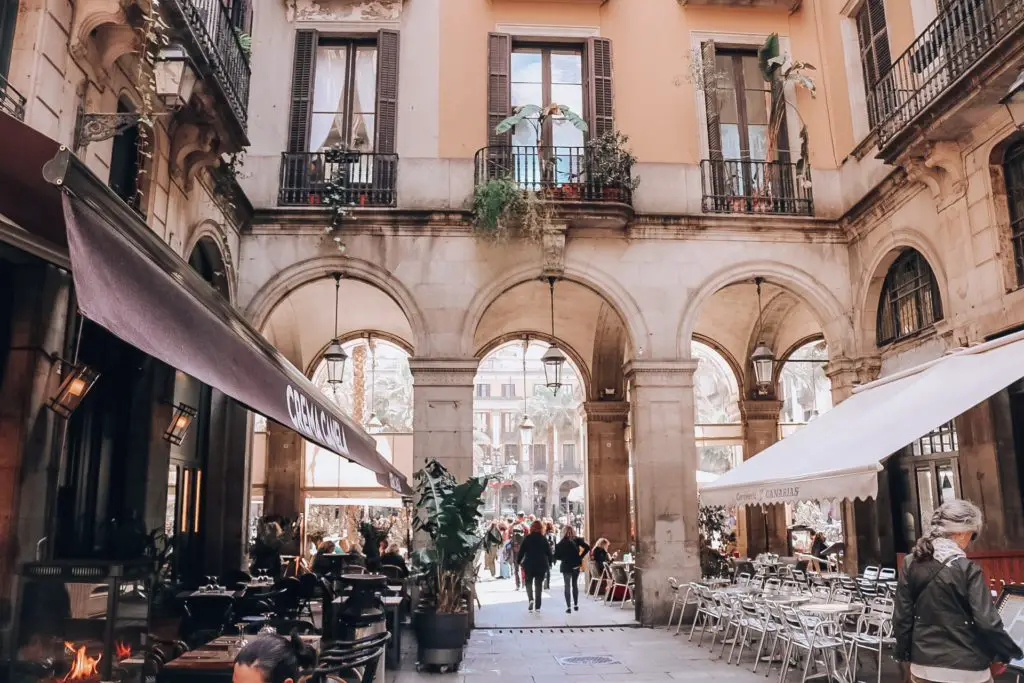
{"type": "Point", "coordinates": [212, 662]}
{"type": "Point", "coordinates": [185, 595]}
{"type": "Point", "coordinates": [783, 599]}
{"type": "Point", "coordinates": [835, 610]}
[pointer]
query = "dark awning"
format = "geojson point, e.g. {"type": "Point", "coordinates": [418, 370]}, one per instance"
{"type": "Point", "coordinates": [133, 284]}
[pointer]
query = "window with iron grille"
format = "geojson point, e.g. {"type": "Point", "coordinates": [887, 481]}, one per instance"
{"type": "Point", "coordinates": [1013, 169]}
{"type": "Point", "coordinates": [875, 57]}
{"type": "Point", "coordinates": [910, 298]}
{"type": "Point", "coordinates": [940, 440]}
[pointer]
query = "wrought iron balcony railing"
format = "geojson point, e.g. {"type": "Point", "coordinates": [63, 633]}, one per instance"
{"type": "Point", "coordinates": [963, 33]}
{"type": "Point", "coordinates": [570, 468]}
{"type": "Point", "coordinates": [355, 178]}
{"type": "Point", "coordinates": [213, 29]}
{"type": "Point", "coordinates": [570, 174]}
{"type": "Point", "coordinates": [745, 186]}
{"type": "Point", "coordinates": [12, 102]}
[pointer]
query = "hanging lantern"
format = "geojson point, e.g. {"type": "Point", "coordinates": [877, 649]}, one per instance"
{"type": "Point", "coordinates": [335, 357]}
{"type": "Point", "coordinates": [553, 360]}
{"type": "Point", "coordinates": [764, 366]}
{"type": "Point", "coordinates": [374, 424]}
{"type": "Point", "coordinates": [526, 431]}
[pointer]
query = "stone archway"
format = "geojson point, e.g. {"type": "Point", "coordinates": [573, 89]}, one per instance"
{"type": "Point", "coordinates": [207, 258]}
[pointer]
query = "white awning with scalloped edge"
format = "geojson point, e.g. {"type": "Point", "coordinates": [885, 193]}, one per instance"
{"type": "Point", "coordinates": [838, 455]}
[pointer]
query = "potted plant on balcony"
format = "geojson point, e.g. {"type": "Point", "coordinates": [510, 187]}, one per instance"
{"type": "Point", "coordinates": [782, 70]}
{"type": "Point", "coordinates": [610, 166]}
{"type": "Point", "coordinates": [537, 117]}
{"type": "Point", "coordinates": [449, 513]}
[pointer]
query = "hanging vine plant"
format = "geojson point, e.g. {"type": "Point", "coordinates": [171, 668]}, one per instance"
{"type": "Point", "coordinates": [337, 193]}
{"type": "Point", "coordinates": [152, 37]}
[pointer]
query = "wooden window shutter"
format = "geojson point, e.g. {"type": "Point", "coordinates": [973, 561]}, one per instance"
{"type": "Point", "coordinates": [302, 90]}
{"type": "Point", "coordinates": [387, 90]}
{"type": "Point", "coordinates": [601, 104]}
{"type": "Point", "coordinates": [710, 77]}
{"type": "Point", "coordinates": [499, 86]}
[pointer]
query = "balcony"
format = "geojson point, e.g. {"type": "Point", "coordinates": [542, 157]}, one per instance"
{"type": "Point", "coordinates": [975, 39]}
{"type": "Point", "coordinates": [571, 177]}
{"type": "Point", "coordinates": [363, 178]}
{"type": "Point", "coordinates": [216, 46]}
{"type": "Point", "coordinates": [570, 468]}
{"type": "Point", "coordinates": [758, 187]}
{"type": "Point", "coordinates": [12, 102]}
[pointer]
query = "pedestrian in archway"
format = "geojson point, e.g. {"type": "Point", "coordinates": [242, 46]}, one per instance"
{"type": "Point", "coordinates": [570, 552]}
{"type": "Point", "coordinates": [535, 558]}
{"type": "Point", "coordinates": [516, 535]}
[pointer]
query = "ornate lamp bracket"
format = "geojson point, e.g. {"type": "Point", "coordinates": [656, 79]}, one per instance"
{"type": "Point", "coordinates": [99, 127]}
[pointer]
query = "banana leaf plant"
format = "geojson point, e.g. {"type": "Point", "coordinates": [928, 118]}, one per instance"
{"type": "Point", "coordinates": [449, 513]}
{"type": "Point", "coordinates": [780, 70]}
{"type": "Point", "coordinates": [537, 116]}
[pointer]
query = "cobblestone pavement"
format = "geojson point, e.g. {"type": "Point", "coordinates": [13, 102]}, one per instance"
{"type": "Point", "coordinates": [503, 606]}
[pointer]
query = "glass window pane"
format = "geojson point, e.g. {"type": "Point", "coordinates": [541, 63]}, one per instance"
{"type": "Point", "coordinates": [327, 131]}
{"type": "Point", "coordinates": [947, 484]}
{"type": "Point", "coordinates": [527, 93]}
{"type": "Point", "coordinates": [730, 141]}
{"type": "Point", "coordinates": [526, 67]}
{"type": "Point", "coordinates": [925, 497]}
{"type": "Point", "coordinates": [566, 68]}
{"type": "Point", "coordinates": [362, 132]}
{"type": "Point", "coordinates": [569, 95]}
{"type": "Point", "coordinates": [727, 106]}
{"type": "Point", "coordinates": [724, 71]}
{"type": "Point", "coordinates": [758, 142]}
{"type": "Point", "coordinates": [752, 78]}
{"type": "Point", "coordinates": [329, 87]}
{"type": "Point", "coordinates": [364, 98]}
{"type": "Point", "coordinates": [757, 107]}
{"type": "Point", "coordinates": [565, 134]}
{"type": "Point", "coordinates": [716, 390]}
{"type": "Point", "coordinates": [907, 512]}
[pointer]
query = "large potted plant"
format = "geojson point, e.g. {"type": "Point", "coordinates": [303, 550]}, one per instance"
{"type": "Point", "coordinates": [449, 514]}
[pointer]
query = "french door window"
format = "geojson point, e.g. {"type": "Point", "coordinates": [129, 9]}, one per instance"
{"type": "Point", "coordinates": [926, 475]}
{"type": "Point", "coordinates": [344, 96]}
{"type": "Point", "coordinates": [744, 105]}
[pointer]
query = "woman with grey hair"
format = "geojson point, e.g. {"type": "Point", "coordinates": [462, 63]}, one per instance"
{"type": "Point", "coordinates": [945, 624]}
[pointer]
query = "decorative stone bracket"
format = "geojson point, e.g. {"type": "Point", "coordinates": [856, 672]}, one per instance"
{"type": "Point", "coordinates": [101, 32]}
{"type": "Point", "coordinates": [193, 147]}
{"type": "Point", "coordinates": [940, 167]}
{"type": "Point", "coordinates": [553, 250]}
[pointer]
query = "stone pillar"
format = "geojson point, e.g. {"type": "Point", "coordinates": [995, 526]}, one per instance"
{"type": "Point", "coordinates": [858, 516]}
{"type": "Point", "coordinates": [443, 413]}
{"type": "Point", "coordinates": [227, 494]}
{"type": "Point", "coordinates": [284, 472]}
{"type": "Point", "coordinates": [665, 471]}
{"type": "Point", "coordinates": [36, 298]}
{"type": "Point", "coordinates": [608, 473]}
{"type": "Point", "coordinates": [765, 525]}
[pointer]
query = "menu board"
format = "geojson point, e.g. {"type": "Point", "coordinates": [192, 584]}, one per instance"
{"type": "Point", "coordinates": [1011, 609]}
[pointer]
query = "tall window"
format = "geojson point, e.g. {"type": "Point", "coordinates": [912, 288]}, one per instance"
{"type": "Point", "coordinates": [873, 36]}
{"type": "Point", "coordinates": [1013, 169]}
{"type": "Point", "coordinates": [482, 421]}
{"type": "Point", "coordinates": [539, 457]}
{"type": "Point", "coordinates": [483, 390]}
{"type": "Point", "coordinates": [542, 75]}
{"type": "Point", "coordinates": [508, 390]}
{"type": "Point", "coordinates": [805, 390]}
{"type": "Point", "coordinates": [509, 424]}
{"type": "Point", "coordinates": [716, 403]}
{"type": "Point", "coordinates": [744, 104]}
{"type": "Point", "coordinates": [910, 298]}
{"type": "Point", "coordinates": [922, 477]}
{"type": "Point", "coordinates": [344, 96]}
{"type": "Point", "coordinates": [124, 162]}
{"type": "Point", "coordinates": [569, 457]}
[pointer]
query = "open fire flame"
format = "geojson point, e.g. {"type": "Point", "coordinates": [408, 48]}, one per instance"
{"type": "Point", "coordinates": [122, 651]}
{"type": "Point", "coordinates": [83, 666]}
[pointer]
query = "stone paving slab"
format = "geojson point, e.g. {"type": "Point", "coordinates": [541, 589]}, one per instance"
{"type": "Point", "coordinates": [502, 606]}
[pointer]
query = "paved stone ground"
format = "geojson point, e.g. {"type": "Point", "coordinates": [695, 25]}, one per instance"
{"type": "Point", "coordinates": [502, 606]}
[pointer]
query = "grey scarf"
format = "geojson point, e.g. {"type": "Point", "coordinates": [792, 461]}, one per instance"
{"type": "Point", "coordinates": [946, 550]}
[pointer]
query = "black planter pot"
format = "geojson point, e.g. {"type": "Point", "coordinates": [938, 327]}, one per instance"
{"type": "Point", "coordinates": [441, 638]}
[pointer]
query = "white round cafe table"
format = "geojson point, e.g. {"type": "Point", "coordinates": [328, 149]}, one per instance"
{"type": "Point", "coordinates": [787, 599]}
{"type": "Point", "coordinates": [832, 608]}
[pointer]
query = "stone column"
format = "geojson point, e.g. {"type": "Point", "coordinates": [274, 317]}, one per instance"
{"type": "Point", "coordinates": [765, 525]}
{"type": "Point", "coordinates": [859, 519]}
{"type": "Point", "coordinates": [608, 473]}
{"type": "Point", "coordinates": [665, 471]}
{"type": "Point", "coordinates": [227, 492]}
{"type": "Point", "coordinates": [284, 472]}
{"type": "Point", "coordinates": [443, 413]}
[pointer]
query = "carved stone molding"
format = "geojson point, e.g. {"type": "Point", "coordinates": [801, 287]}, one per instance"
{"type": "Point", "coordinates": [607, 411]}
{"type": "Point", "coordinates": [553, 249]}
{"type": "Point", "coordinates": [100, 33]}
{"type": "Point", "coordinates": [194, 146]}
{"type": "Point", "coordinates": [660, 373]}
{"type": "Point", "coordinates": [443, 372]}
{"type": "Point", "coordinates": [847, 372]}
{"type": "Point", "coordinates": [760, 410]}
{"type": "Point", "coordinates": [940, 167]}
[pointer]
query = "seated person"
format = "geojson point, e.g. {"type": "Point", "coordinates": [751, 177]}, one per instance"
{"type": "Point", "coordinates": [272, 658]}
{"type": "Point", "coordinates": [321, 561]}
{"type": "Point", "coordinates": [392, 557]}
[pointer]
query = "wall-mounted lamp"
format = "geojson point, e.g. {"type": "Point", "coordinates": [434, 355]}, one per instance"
{"type": "Point", "coordinates": [181, 420]}
{"type": "Point", "coordinates": [1014, 101]}
{"type": "Point", "coordinates": [79, 380]}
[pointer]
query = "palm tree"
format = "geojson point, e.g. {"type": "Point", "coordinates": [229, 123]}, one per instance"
{"type": "Point", "coordinates": [555, 414]}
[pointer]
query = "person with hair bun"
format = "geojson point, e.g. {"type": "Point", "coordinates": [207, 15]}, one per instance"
{"type": "Point", "coordinates": [272, 658]}
{"type": "Point", "coordinates": [535, 558]}
{"type": "Point", "coordinates": [945, 625]}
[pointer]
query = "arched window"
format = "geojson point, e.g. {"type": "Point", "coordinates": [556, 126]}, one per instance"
{"type": "Point", "coordinates": [910, 298]}
{"type": "Point", "coordinates": [804, 388]}
{"type": "Point", "coordinates": [1013, 170]}
{"type": "Point", "coordinates": [719, 426]}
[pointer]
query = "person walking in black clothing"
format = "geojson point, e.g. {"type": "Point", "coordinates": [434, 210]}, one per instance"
{"type": "Point", "coordinates": [534, 557]}
{"type": "Point", "coordinates": [549, 533]}
{"type": "Point", "coordinates": [570, 552]}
